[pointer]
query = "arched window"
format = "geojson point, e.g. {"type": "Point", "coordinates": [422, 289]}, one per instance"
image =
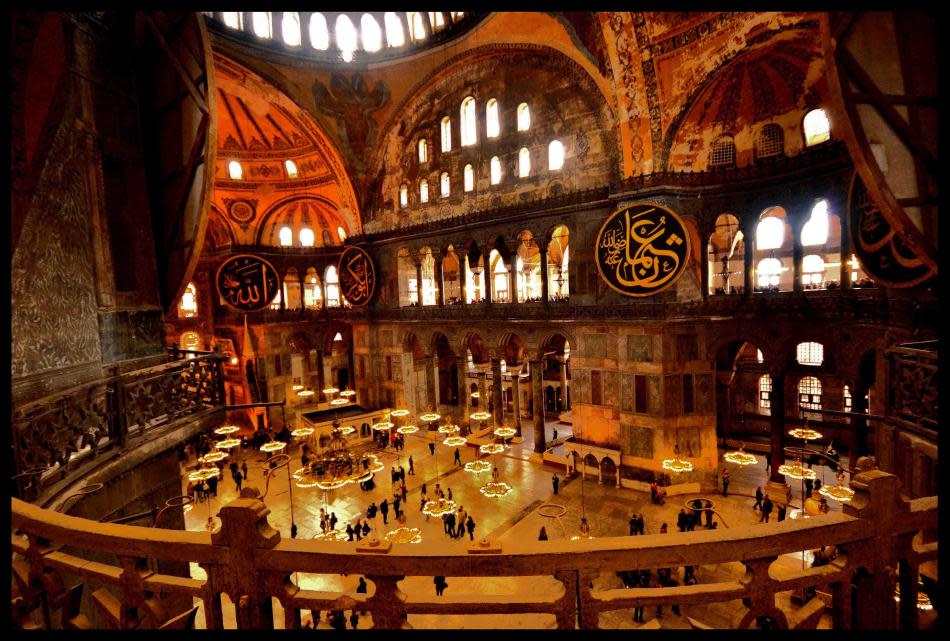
{"type": "Point", "coordinates": [446, 134]}
{"type": "Point", "coordinates": [444, 186]}
{"type": "Point", "coordinates": [327, 238]}
{"type": "Point", "coordinates": [345, 37]}
{"type": "Point", "coordinates": [723, 152]}
{"type": "Point", "coordinates": [275, 304]}
{"type": "Point", "coordinates": [261, 23]}
{"type": "Point", "coordinates": [233, 19]}
{"type": "Point", "coordinates": [816, 126]}
{"type": "Point", "coordinates": [813, 270]}
{"type": "Point", "coordinates": [428, 277]}
{"type": "Point", "coordinates": [726, 256]}
{"type": "Point", "coordinates": [524, 162]}
{"type": "Point", "coordinates": [499, 274]}
{"type": "Point", "coordinates": [423, 151]}
{"type": "Point", "coordinates": [768, 272]}
{"type": "Point", "coordinates": [306, 237]}
{"type": "Point", "coordinates": [809, 393]}
{"type": "Point", "coordinates": [188, 307]}
{"type": "Point", "coordinates": [492, 126]}
{"type": "Point", "coordinates": [770, 142]}
{"type": "Point", "coordinates": [847, 399]}
{"type": "Point", "coordinates": [394, 33]}
{"type": "Point", "coordinates": [235, 172]}
{"type": "Point", "coordinates": [403, 196]}
{"type": "Point", "coordinates": [770, 233]}
{"type": "Point", "coordinates": [312, 292]}
{"type": "Point", "coordinates": [495, 167]}
{"type": "Point", "coordinates": [190, 340]}
{"type": "Point", "coordinates": [417, 29]}
{"type": "Point", "coordinates": [424, 190]}
{"type": "Point", "coordinates": [758, 356]}
{"type": "Point", "coordinates": [469, 133]}
{"type": "Point", "coordinates": [815, 231]}
{"type": "Point", "coordinates": [290, 28]}
{"type": "Point", "coordinates": [332, 280]}
{"type": "Point", "coordinates": [810, 353]}
{"type": "Point", "coordinates": [319, 33]}
{"type": "Point", "coordinates": [286, 235]}
{"type": "Point", "coordinates": [469, 178]}
{"type": "Point", "coordinates": [765, 391]}
{"type": "Point", "coordinates": [291, 168]}
{"type": "Point", "coordinates": [341, 233]}
{"type": "Point", "coordinates": [436, 20]}
{"type": "Point", "coordinates": [555, 155]}
{"type": "Point", "coordinates": [371, 33]}
{"type": "Point", "coordinates": [524, 117]}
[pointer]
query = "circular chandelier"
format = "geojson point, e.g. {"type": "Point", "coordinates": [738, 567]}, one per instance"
{"type": "Point", "coordinates": [227, 444]}
{"type": "Point", "coordinates": [339, 401]}
{"type": "Point", "coordinates": [345, 429]}
{"type": "Point", "coordinates": [740, 458]}
{"type": "Point", "coordinates": [431, 416]}
{"type": "Point", "coordinates": [923, 601]}
{"type": "Point", "coordinates": [439, 507]}
{"type": "Point", "coordinates": [796, 471]}
{"type": "Point", "coordinates": [305, 392]}
{"type": "Point", "coordinates": [477, 467]}
{"type": "Point", "coordinates": [296, 387]}
{"type": "Point", "coordinates": [330, 535]}
{"type": "Point", "coordinates": [677, 465]}
{"type": "Point", "coordinates": [204, 474]}
{"type": "Point", "coordinates": [302, 431]}
{"type": "Point", "coordinates": [347, 393]}
{"type": "Point", "coordinates": [494, 490]}
{"type": "Point", "coordinates": [476, 395]}
{"type": "Point", "coordinates": [382, 427]}
{"type": "Point", "coordinates": [804, 433]}
{"type": "Point", "coordinates": [492, 448]}
{"type": "Point", "coordinates": [448, 429]}
{"type": "Point", "coordinates": [273, 446]}
{"type": "Point", "coordinates": [407, 429]}
{"type": "Point", "coordinates": [224, 430]}
{"type": "Point", "coordinates": [505, 432]}
{"type": "Point", "coordinates": [454, 441]}
{"type": "Point", "coordinates": [399, 414]}
{"type": "Point", "coordinates": [213, 457]}
{"type": "Point", "coordinates": [404, 535]}
{"type": "Point", "coordinates": [838, 492]}
{"type": "Point", "coordinates": [480, 416]}
{"type": "Point", "coordinates": [330, 390]}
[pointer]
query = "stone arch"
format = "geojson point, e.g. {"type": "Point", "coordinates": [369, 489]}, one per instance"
{"type": "Point", "coordinates": [324, 212]}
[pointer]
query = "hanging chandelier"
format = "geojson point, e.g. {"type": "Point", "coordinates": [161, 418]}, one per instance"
{"type": "Point", "coordinates": [339, 401]}
{"type": "Point", "coordinates": [837, 491]}
{"type": "Point", "coordinates": [477, 467]}
{"type": "Point", "coordinates": [430, 417]}
{"type": "Point", "coordinates": [404, 535]}
{"type": "Point", "coordinates": [492, 448]}
{"type": "Point", "coordinates": [796, 471]}
{"type": "Point", "coordinates": [740, 458]}
{"type": "Point", "coordinates": [301, 432]}
{"type": "Point", "coordinates": [407, 429]}
{"type": "Point", "coordinates": [382, 426]}
{"type": "Point", "coordinates": [296, 387]}
{"type": "Point", "coordinates": [677, 465]}
{"type": "Point", "coordinates": [305, 392]}
{"type": "Point", "coordinates": [399, 414]}
{"type": "Point", "coordinates": [227, 444]}
{"type": "Point", "coordinates": [273, 446]}
{"type": "Point", "coordinates": [476, 395]}
{"type": "Point", "coordinates": [448, 429]}
{"type": "Point", "coordinates": [439, 507]}
{"type": "Point", "coordinates": [347, 393]}
{"type": "Point", "coordinates": [454, 441]}
{"type": "Point", "coordinates": [804, 433]}
{"type": "Point", "coordinates": [204, 474]}
{"type": "Point", "coordinates": [345, 430]}
{"type": "Point", "coordinates": [330, 390]}
{"type": "Point", "coordinates": [330, 535]}
{"type": "Point", "coordinates": [480, 416]}
{"type": "Point", "coordinates": [505, 432]}
{"type": "Point", "coordinates": [213, 457]}
{"type": "Point", "coordinates": [224, 430]}
{"type": "Point", "coordinates": [923, 601]}
{"type": "Point", "coordinates": [495, 489]}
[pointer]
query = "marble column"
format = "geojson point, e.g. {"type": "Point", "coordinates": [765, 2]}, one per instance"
{"type": "Point", "coordinates": [777, 453]}
{"type": "Point", "coordinates": [498, 408]}
{"type": "Point", "coordinates": [797, 255]}
{"type": "Point", "coordinates": [563, 362]}
{"type": "Point", "coordinates": [543, 251]}
{"type": "Point", "coordinates": [419, 283]}
{"type": "Point", "coordinates": [537, 370]}
{"type": "Point", "coordinates": [487, 276]}
{"type": "Point", "coordinates": [432, 373]}
{"type": "Point", "coordinates": [516, 398]}
{"type": "Point", "coordinates": [464, 406]}
{"type": "Point", "coordinates": [748, 253]}
{"type": "Point", "coordinates": [513, 278]}
{"type": "Point", "coordinates": [440, 283]}
{"type": "Point", "coordinates": [462, 285]}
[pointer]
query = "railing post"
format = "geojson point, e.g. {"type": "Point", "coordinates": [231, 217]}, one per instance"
{"type": "Point", "coordinates": [120, 420]}
{"type": "Point", "coordinates": [588, 617]}
{"type": "Point", "coordinates": [760, 595]}
{"type": "Point", "coordinates": [566, 608]}
{"type": "Point", "coordinates": [388, 603]}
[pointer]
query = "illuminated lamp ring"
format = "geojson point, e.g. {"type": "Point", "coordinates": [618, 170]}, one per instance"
{"type": "Point", "coordinates": [330, 535]}
{"type": "Point", "coordinates": [476, 395]}
{"type": "Point", "coordinates": [430, 417]}
{"type": "Point", "coordinates": [495, 490]}
{"type": "Point", "coordinates": [383, 426]}
{"type": "Point", "coordinates": [296, 388]}
{"type": "Point", "coordinates": [227, 444]}
{"type": "Point", "coordinates": [213, 457]}
{"type": "Point", "coordinates": [404, 535]}
{"type": "Point", "coordinates": [448, 429]}
{"type": "Point", "coordinates": [331, 390]}
{"type": "Point", "coordinates": [399, 414]}
{"type": "Point", "coordinates": [306, 392]}
{"type": "Point", "coordinates": [407, 429]}
{"type": "Point", "coordinates": [347, 393]}
{"type": "Point", "coordinates": [224, 430]}
{"type": "Point", "coordinates": [804, 433]}
{"type": "Point", "coordinates": [302, 432]}
{"type": "Point", "coordinates": [796, 471]}
{"type": "Point", "coordinates": [346, 429]}
{"type": "Point", "coordinates": [505, 432]}
{"type": "Point", "coordinates": [339, 401]}
{"type": "Point", "coordinates": [455, 441]}
{"type": "Point", "coordinates": [480, 416]}
{"type": "Point", "coordinates": [740, 458]}
{"type": "Point", "coordinates": [677, 465]}
{"type": "Point", "coordinates": [477, 467]}
{"type": "Point", "coordinates": [332, 485]}
{"type": "Point", "coordinates": [837, 492]}
{"type": "Point", "coordinates": [923, 601]}
{"type": "Point", "coordinates": [492, 448]}
{"type": "Point", "coordinates": [273, 446]}
{"type": "Point", "coordinates": [439, 507]}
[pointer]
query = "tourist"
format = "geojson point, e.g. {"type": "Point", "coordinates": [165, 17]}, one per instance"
{"type": "Point", "coordinates": [725, 482]}
{"type": "Point", "coordinates": [393, 474]}
{"type": "Point", "coordinates": [213, 485]}
{"type": "Point", "coordinates": [440, 585]}
{"type": "Point", "coordinates": [432, 449]}
{"type": "Point", "coordinates": [423, 488]}
{"type": "Point", "coordinates": [809, 487]}
{"type": "Point", "coordinates": [641, 525]}
{"type": "Point", "coordinates": [823, 507]}
{"type": "Point", "coordinates": [349, 532]}
{"type": "Point", "coordinates": [543, 534]}
{"type": "Point", "coordinates": [203, 491]}
{"type": "Point", "coordinates": [366, 528]}
{"type": "Point", "coordinates": [633, 525]}
{"type": "Point", "coordinates": [236, 475]}
{"type": "Point", "coordinates": [333, 520]}
{"type": "Point", "coordinates": [361, 588]}
{"type": "Point", "coordinates": [554, 434]}
{"type": "Point", "coordinates": [470, 526]}
{"type": "Point", "coordinates": [495, 474]}
{"type": "Point", "coordinates": [412, 470]}
{"type": "Point", "coordinates": [663, 529]}
{"type": "Point", "coordinates": [450, 494]}
{"type": "Point", "coordinates": [681, 520]}
{"type": "Point", "coordinates": [354, 619]}
{"type": "Point", "coordinates": [758, 498]}
{"type": "Point", "coordinates": [403, 491]}
{"type": "Point", "coordinates": [244, 469]}
{"type": "Point", "coordinates": [689, 575]}
{"type": "Point", "coordinates": [555, 481]}
{"type": "Point", "coordinates": [384, 508]}
{"type": "Point", "coordinates": [709, 517]}
{"type": "Point", "coordinates": [781, 512]}
{"type": "Point", "coordinates": [396, 502]}
{"type": "Point", "coordinates": [458, 457]}
{"type": "Point", "coordinates": [654, 492]}
{"type": "Point", "coordinates": [402, 474]}
{"type": "Point", "coordinates": [585, 527]}
{"type": "Point", "coordinates": [637, 580]}
{"type": "Point", "coordinates": [450, 524]}
{"type": "Point", "coordinates": [766, 510]}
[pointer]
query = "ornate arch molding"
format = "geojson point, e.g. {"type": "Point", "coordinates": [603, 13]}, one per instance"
{"type": "Point", "coordinates": [762, 41]}
{"type": "Point", "coordinates": [276, 208]}
{"type": "Point", "coordinates": [431, 82]}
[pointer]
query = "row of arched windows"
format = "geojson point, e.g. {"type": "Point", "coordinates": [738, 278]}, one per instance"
{"type": "Point", "coordinates": [469, 126]}
{"type": "Point", "coordinates": [312, 292]}
{"type": "Point", "coordinates": [770, 140]}
{"type": "Point", "coordinates": [369, 36]}
{"type": "Point", "coordinates": [809, 394]}
{"type": "Point", "coordinates": [306, 236]}
{"type": "Point", "coordinates": [555, 163]}
{"type": "Point", "coordinates": [236, 171]}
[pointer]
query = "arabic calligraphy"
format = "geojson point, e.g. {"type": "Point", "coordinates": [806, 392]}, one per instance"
{"type": "Point", "coordinates": [247, 282]}
{"type": "Point", "coordinates": [879, 246]}
{"type": "Point", "coordinates": [642, 249]}
{"type": "Point", "coordinates": [357, 276]}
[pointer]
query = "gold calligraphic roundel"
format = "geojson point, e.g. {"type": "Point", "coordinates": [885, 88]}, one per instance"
{"type": "Point", "coordinates": [247, 282]}
{"type": "Point", "coordinates": [357, 276]}
{"type": "Point", "coordinates": [642, 249]}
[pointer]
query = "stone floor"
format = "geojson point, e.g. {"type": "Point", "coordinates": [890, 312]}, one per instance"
{"type": "Point", "coordinates": [512, 517]}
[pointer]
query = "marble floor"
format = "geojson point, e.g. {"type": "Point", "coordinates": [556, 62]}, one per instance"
{"type": "Point", "coordinates": [509, 518]}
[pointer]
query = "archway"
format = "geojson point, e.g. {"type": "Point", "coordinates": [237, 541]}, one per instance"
{"type": "Point", "coordinates": [743, 388]}
{"type": "Point", "coordinates": [726, 256]}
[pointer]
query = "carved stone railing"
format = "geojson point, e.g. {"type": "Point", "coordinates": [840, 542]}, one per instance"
{"type": "Point", "coordinates": [246, 559]}
{"type": "Point", "coordinates": [913, 387]}
{"type": "Point", "coordinates": [73, 428]}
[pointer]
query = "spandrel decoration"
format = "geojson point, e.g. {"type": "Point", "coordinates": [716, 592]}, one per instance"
{"type": "Point", "coordinates": [247, 282]}
{"type": "Point", "coordinates": [357, 276]}
{"type": "Point", "coordinates": [642, 249]}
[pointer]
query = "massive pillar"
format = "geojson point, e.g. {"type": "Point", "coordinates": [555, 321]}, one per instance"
{"type": "Point", "coordinates": [537, 371]}
{"type": "Point", "coordinates": [563, 362]}
{"type": "Point", "coordinates": [498, 408]}
{"type": "Point", "coordinates": [797, 254]}
{"type": "Point", "coordinates": [464, 405]}
{"type": "Point", "coordinates": [543, 251]}
{"type": "Point", "coordinates": [513, 278]}
{"type": "Point", "coordinates": [487, 275]}
{"type": "Point", "coordinates": [516, 398]}
{"type": "Point", "coordinates": [432, 373]}
{"type": "Point", "coordinates": [859, 425]}
{"type": "Point", "coordinates": [439, 283]}
{"type": "Point", "coordinates": [419, 283]}
{"type": "Point", "coordinates": [482, 391]}
{"type": "Point", "coordinates": [776, 453]}
{"type": "Point", "coordinates": [748, 235]}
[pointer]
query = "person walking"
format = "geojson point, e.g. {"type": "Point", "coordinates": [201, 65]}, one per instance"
{"type": "Point", "coordinates": [354, 619]}
{"type": "Point", "coordinates": [432, 449]}
{"type": "Point", "coordinates": [725, 481]}
{"type": "Point", "coordinates": [333, 520]}
{"type": "Point", "coordinates": [404, 492]}
{"type": "Point", "coordinates": [641, 525]}
{"type": "Point", "coordinates": [633, 524]}
{"type": "Point", "coordinates": [370, 511]}
{"type": "Point", "coordinates": [460, 530]}
{"type": "Point", "coordinates": [396, 502]}
{"type": "Point", "coordinates": [470, 526]}
{"type": "Point", "coordinates": [366, 528]}
{"type": "Point", "coordinates": [361, 588]}
{"type": "Point", "coordinates": [663, 529]}
{"type": "Point", "coordinates": [402, 474]}
{"type": "Point", "coordinates": [781, 511]}
{"type": "Point", "coordinates": [458, 457]}
{"type": "Point", "coordinates": [213, 485]}
{"type": "Point", "coordinates": [543, 534]}
{"type": "Point", "coordinates": [758, 498]}
{"type": "Point", "coordinates": [423, 488]}
{"type": "Point", "coordinates": [440, 585]}
{"type": "Point", "coordinates": [349, 531]}
{"type": "Point", "coordinates": [236, 475]}
{"type": "Point", "coordinates": [555, 481]}
{"type": "Point", "coordinates": [412, 470]}
{"type": "Point", "coordinates": [638, 581]}
{"type": "Point", "coordinates": [681, 520]}
{"type": "Point", "coordinates": [384, 508]}
{"type": "Point", "coordinates": [766, 510]}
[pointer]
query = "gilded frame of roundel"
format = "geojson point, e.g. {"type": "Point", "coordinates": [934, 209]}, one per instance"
{"type": "Point", "coordinates": [686, 251]}
{"type": "Point", "coordinates": [370, 276]}
{"type": "Point", "coordinates": [231, 259]}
